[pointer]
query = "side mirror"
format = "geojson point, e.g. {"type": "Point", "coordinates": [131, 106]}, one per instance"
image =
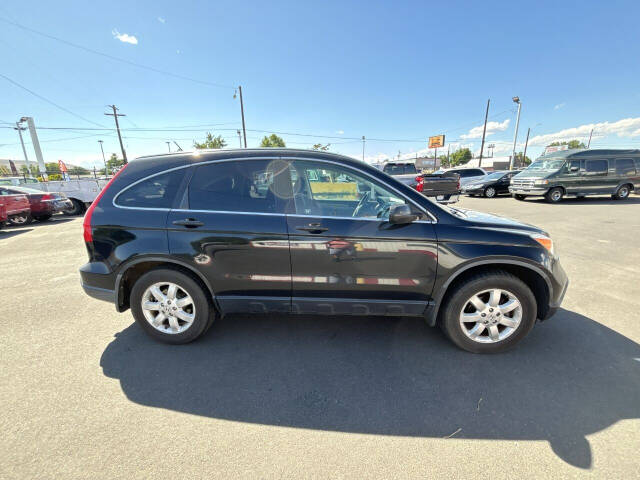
{"type": "Point", "coordinates": [574, 169]}
{"type": "Point", "coordinates": [401, 214]}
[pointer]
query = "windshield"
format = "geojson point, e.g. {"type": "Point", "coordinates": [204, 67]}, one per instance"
{"type": "Point", "coordinates": [547, 164]}
{"type": "Point", "coordinates": [494, 176]}
{"type": "Point", "coordinates": [400, 169]}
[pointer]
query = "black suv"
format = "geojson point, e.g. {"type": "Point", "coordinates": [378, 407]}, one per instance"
{"type": "Point", "coordinates": [184, 238]}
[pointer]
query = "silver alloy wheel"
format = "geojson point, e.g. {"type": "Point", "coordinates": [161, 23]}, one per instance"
{"type": "Point", "coordinates": [19, 219]}
{"type": "Point", "coordinates": [168, 307]}
{"type": "Point", "coordinates": [623, 192]}
{"type": "Point", "coordinates": [556, 195]}
{"type": "Point", "coordinates": [490, 192]}
{"type": "Point", "coordinates": [490, 316]}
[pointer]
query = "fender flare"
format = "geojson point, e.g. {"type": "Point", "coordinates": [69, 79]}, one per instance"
{"type": "Point", "coordinates": [157, 258]}
{"type": "Point", "coordinates": [431, 313]}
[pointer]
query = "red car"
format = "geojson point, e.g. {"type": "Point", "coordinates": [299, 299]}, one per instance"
{"type": "Point", "coordinates": [40, 205]}
{"type": "Point", "coordinates": [15, 205]}
{"type": "Point", "coordinates": [3, 214]}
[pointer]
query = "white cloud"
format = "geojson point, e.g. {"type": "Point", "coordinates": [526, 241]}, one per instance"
{"type": "Point", "coordinates": [627, 127]}
{"type": "Point", "coordinates": [492, 127]}
{"type": "Point", "coordinates": [124, 37]}
{"type": "Point", "coordinates": [340, 132]}
{"type": "Point", "coordinates": [559, 106]}
{"type": "Point", "coordinates": [162, 19]}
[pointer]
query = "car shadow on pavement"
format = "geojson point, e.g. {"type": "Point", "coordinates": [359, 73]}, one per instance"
{"type": "Point", "coordinates": [13, 232]}
{"type": "Point", "coordinates": [591, 201]}
{"type": "Point", "coordinates": [570, 378]}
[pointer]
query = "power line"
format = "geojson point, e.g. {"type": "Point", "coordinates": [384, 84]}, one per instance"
{"type": "Point", "coordinates": [48, 101]}
{"type": "Point", "coordinates": [112, 57]}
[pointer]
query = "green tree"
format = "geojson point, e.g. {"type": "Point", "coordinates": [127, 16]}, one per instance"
{"type": "Point", "coordinates": [571, 144]}
{"type": "Point", "coordinates": [520, 162]}
{"type": "Point", "coordinates": [321, 147]}
{"type": "Point", "coordinates": [272, 140]}
{"type": "Point", "coordinates": [460, 157]}
{"type": "Point", "coordinates": [29, 171]}
{"type": "Point", "coordinates": [73, 170]}
{"type": "Point", "coordinates": [114, 163]}
{"type": "Point", "coordinates": [211, 142]}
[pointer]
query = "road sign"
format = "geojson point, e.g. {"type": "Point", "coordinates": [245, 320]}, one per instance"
{"type": "Point", "coordinates": [436, 142]}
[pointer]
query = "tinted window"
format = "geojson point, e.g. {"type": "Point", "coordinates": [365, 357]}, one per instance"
{"type": "Point", "coordinates": [477, 173]}
{"type": "Point", "coordinates": [241, 186]}
{"type": "Point", "coordinates": [155, 192]}
{"type": "Point", "coordinates": [596, 166]}
{"type": "Point", "coordinates": [625, 166]}
{"type": "Point", "coordinates": [400, 169]}
{"type": "Point", "coordinates": [332, 191]}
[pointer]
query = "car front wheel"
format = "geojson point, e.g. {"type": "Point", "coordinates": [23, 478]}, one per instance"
{"type": "Point", "coordinates": [554, 195]}
{"type": "Point", "coordinates": [489, 313]}
{"type": "Point", "coordinates": [20, 219]}
{"type": "Point", "coordinates": [490, 192]}
{"type": "Point", "coordinates": [171, 306]}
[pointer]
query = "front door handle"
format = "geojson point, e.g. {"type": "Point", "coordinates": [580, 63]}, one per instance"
{"type": "Point", "coordinates": [189, 223]}
{"type": "Point", "coordinates": [313, 228]}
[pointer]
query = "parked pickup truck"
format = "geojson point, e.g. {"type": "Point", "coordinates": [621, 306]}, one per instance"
{"type": "Point", "coordinates": [81, 192]}
{"type": "Point", "coordinates": [444, 186]}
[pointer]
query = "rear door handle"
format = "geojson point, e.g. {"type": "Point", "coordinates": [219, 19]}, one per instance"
{"type": "Point", "coordinates": [189, 223]}
{"type": "Point", "coordinates": [313, 228]}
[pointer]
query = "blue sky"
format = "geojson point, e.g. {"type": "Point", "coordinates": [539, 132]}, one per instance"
{"type": "Point", "coordinates": [392, 71]}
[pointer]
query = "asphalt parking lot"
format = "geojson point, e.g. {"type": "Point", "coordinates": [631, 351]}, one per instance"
{"type": "Point", "coordinates": [85, 394]}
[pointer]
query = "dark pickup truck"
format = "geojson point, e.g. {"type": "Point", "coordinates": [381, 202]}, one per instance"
{"type": "Point", "coordinates": [444, 186]}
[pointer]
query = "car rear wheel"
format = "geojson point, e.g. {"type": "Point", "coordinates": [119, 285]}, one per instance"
{"type": "Point", "coordinates": [622, 193]}
{"type": "Point", "coordinates": [489, 313]}
{"type": "Point", "coordinates": [20, 219]}
{"type": "Point", "coordinates": [171, 306]}
{"type": "Point", "coordinates": [489, 192]}
{"type": "Point", "coordinates": [554, 195]}
{"type": "Point", "coordinates": [76, 209]}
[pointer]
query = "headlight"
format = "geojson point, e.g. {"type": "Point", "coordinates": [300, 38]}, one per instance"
{"type": "Point", "coordinates": [472, 187]}
{"type": "Point", "coordinates": [545, 241]}
{"type": "Point", "coordinates": [542, 182]}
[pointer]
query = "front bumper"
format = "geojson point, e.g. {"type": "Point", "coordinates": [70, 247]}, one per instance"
{"type": "Point", "coordinates": [534, 191]}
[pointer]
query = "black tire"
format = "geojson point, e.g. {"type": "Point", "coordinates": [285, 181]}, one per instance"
{"type": "Point", "coordinates": [554, 195]}
{"type": "Point", "coordinates": [622, 193]}
{"type": "Point", "coordinates": [77, 209]}
{"type": "Point", "coordinates": [490, 192]}
{"type": "Point", "coordinates": [20, 220]}
{"type": "Point", "coordinates": [43, 218]}
{"type": "Point", "coordinates": [517, 196]}
{"type": "Point", "coordinates": [456, 301]}
{"type": "Point", "coordinates": [204, 309]}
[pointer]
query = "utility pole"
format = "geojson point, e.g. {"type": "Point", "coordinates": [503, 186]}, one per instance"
{"type": "Point", "coordinates": [526, 142]}
{"type": "Point", "coordinates": [239, 138]}
{"type": "Point", "coordinates": [36, 146]}
{"type": "Point", "coordinates": [448, 152]}
{"type": "Point", "coordinates": [168, 146]}
{"type": "Point", "coordinates": [20, 128]}
{"type": "Point", "coordinates": [115, 115]}
{"type": "Point", "coordinates": [363, 140]}
{"type": "Point", "coordinates": [103, 157]}
{"type": "Point", "coordinates": [588, 144]}
{"type": "Point", "coordinates": [244, 130]}
{"type": "Point", "coordinates": [484, 131]}
{"type": "Point", "coordinates": [515, 135]}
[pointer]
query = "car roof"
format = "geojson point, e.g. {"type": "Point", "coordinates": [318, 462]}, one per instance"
{"type": "Point", "coordinates": [583, 152]}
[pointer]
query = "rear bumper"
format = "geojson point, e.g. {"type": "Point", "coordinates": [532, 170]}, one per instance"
{"type": "Point", "coordinates": [560, 284]}
{"type": "Point", "coordinates": [100, 293]}
{"type": "Point", "coordinates": [98, 282]}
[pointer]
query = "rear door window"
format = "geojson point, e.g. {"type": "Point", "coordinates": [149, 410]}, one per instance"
{"type": "Point", "coordinates": [599, 167]}
{"type": "Point", "coordinates": [625, 166]}
{"type": "Point", "coordinates": [155, 192]}
{"type": "Point", "coordinates": [260, 186]}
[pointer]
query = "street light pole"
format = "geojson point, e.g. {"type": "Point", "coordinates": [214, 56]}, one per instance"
{"type": "Point", "coordinates": [20, 128]}
{"type": "Point", "coordinates": [239, 138]}
{"type": "Point", "coordinates": [526, 142]}
{"type": "Point", "coordinates": [515, 135]}
{"type": "Point", "coordinates": [103, 158]}
{"type": "Point", "coordinates": [363, 140]}
{"type": "Point", "coordinates": [168, 146]}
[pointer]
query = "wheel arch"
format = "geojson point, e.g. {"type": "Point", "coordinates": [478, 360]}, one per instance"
{"type": "Point", "coordinates": [535, 278]}
{"type": "Point", "coordinates": [132, 270]}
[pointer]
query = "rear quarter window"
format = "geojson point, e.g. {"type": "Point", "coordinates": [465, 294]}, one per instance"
{"type": "Point", "coordinates": [625, 166]}
{"type": "Point", "coordinates": [155, 192]}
